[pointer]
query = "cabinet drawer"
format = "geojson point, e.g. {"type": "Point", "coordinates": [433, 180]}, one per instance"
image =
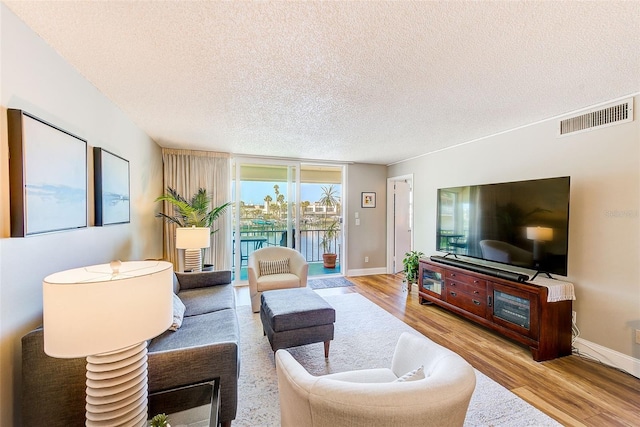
{"type": "Point", "coordinates": [470, 303]}
{"type": "Point", "coordinates": [478, 290]}
{"type": "Point", "coordinates": [465, 278]}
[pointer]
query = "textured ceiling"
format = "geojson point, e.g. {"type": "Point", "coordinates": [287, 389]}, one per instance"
{"type": "Point", "coordinates": [372, 82]}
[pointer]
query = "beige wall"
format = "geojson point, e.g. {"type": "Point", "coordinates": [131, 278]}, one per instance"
{"type": "Point", "coordinates": [604, 226]}
{"type": "Point", "coordinates": [34, 78]}
{"type": "Point", "coordinates": [369, 238]}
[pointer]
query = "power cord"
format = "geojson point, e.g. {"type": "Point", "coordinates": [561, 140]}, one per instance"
{"type": "Point", "coordinates": [575, 333]}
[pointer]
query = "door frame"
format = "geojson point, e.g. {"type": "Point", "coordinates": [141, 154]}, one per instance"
{"type": "Point", "coordinates": [390, 216]}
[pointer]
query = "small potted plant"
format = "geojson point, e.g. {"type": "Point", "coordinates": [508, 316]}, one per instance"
{"type": "Point", "coordinates": [411, 263]}
{"type": "Point", "coordinates": [160, 420]}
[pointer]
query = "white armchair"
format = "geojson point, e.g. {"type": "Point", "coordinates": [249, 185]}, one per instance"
{"type": "Point", "coordinates": [295, 276]}
{"type": "Point", "coordinates": [376, 397]}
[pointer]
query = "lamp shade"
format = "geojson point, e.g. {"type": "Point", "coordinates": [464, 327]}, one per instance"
{"type": "Point", "coordinates": [107, 307]}
{"type": "Point", "coordinates": [541, 234]}
{"type": "Point", "coordinates": [192, 237]}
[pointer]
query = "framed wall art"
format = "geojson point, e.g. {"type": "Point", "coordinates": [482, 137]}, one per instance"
{"type": "Point", "coordinates": [111, 184]}
{"type": "Point", "coordinates": [368, 200]}
{"type": "Point", "coordinates": [47, 176]}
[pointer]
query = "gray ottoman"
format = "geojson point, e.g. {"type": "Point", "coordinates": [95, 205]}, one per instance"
{"type": "Point", "coordinates": [298, 316]}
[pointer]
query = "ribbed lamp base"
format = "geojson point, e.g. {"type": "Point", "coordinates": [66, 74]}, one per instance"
{"type": "Point", "coordinates": [192, 260]}
{"type": "Point", "coordinates": [117, 388]}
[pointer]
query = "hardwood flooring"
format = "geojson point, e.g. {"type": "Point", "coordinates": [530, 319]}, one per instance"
{"type": "Point", "coordinates": [572, 390]}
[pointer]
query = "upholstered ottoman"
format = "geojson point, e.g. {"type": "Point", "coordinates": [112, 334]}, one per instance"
{"type": "Point", "coordinates": [298, 316]}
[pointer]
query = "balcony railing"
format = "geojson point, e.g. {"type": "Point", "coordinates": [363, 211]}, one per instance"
{"type": "Point", "coordinates": [309, 245]}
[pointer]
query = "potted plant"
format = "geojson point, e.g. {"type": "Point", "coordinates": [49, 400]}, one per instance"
{"type": "Point", "coordinates": [160, 420]}
{"type": "Point", "coordinates": [329, 199]}
{"type": "Point", "coordinates": [328, 238]}
{"type": "Point", "coordinates": [411, 263]}
{"type": "Point", "coordinates": [195, 212]}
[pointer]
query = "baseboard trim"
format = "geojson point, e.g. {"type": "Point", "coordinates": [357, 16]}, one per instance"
{"type": "Point", "coordinates": [367, 271]}
{"type": "Point", "coordinates": [608, 356]}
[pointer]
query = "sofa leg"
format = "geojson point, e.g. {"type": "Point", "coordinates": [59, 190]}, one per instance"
{"type": "Point", "coordinates": [225, 424]}
{"type": "Point", "coordinates": [326, 349]}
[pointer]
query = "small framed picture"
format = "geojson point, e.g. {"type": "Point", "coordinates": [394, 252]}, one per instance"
{"type": "Point", "coordinates": [368, 200]}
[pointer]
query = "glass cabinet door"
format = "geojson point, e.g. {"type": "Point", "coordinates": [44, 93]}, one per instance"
{"type": "Point", "coordinates": [431, 280]}
{"type": "Point", "coordinates": [515, 309]}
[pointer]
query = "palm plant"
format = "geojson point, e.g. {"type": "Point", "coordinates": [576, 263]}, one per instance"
{"type": "Point", "coordinates": [328, 199]}
{"type": "Point", "coordinates": [191, 213]}
{"type": "Point", "coordinates": [195, 212]}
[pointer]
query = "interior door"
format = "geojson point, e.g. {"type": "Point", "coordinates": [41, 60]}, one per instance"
{"type": "Point", "coordinates": [401, 222]}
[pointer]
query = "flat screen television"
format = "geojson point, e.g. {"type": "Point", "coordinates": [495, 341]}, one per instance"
{"type": "Point", "coordinates": [523, 224]}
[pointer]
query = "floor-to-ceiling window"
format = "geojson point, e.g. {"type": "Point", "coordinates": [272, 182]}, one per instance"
{"type": "Point", "coordinates": [266, 211]}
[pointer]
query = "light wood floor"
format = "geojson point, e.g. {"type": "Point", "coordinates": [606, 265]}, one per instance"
{"type": "Point", "coordinates": [572, 390]}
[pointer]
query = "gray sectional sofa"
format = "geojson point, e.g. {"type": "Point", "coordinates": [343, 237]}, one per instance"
{"type": "Point", "coordinates": [205, 347]}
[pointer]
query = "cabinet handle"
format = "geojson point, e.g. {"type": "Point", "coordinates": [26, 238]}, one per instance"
{"type": "Point", "coordinates": [489, 301]}
{"type": "Point", "coordinates": [453, 274]}
{"type": "Point", "coordinates": [475, 281]}
{"type": "Point", "coordinates": [476, 302]}
{"type": "Point", "coordinates": [453, 294]}
{"type": "Point", "coordinates": [452, 284]}
{"type": "Point", "coordinates": [476, 292]}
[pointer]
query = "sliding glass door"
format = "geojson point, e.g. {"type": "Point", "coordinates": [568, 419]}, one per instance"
{"type": "Point", "coordinates": [267, 211]}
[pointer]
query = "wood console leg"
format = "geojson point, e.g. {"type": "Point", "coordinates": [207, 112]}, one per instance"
{"type": "Point", "coordinates": [225, 424]}
{"type": "Point", "coordinates": [326, 349]}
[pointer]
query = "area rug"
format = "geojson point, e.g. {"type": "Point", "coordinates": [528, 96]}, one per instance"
{"type": "Point", "coordinates": [328, 282]}
{"type": "Point", "coordinates": [365, 337]}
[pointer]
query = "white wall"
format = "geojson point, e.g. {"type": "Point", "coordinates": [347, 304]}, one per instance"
{"type": "Point", "coordinates": [34, 78]}
{"type": "Point", "coordinates": [604, 226]}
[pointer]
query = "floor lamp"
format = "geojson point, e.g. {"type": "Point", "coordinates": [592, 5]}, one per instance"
{"type": "Point", "coordinates": [193, 240]}
{"type": "Point", "coordinates": [107, 313]}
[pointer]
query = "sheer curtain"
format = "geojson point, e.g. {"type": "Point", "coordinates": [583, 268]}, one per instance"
{"type": "Point", "coordinates": [186, 171]}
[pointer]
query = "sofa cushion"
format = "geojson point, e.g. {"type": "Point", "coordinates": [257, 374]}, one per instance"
{"type": "Point", "coordinates": [277, 281]}
{"type": "Point", "coordinates": [274, 266]}
{"type": "Point", "coordinates": [415, 375]}
{"type": "Point", "coordinates": [178, 313]}
{"type": "Point", "coordinates": [203, 279]}
{"type": "Point", "coordinates": [207, 300]}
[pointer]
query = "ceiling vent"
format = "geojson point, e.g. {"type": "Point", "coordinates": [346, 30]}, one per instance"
{"type": "Point", "coordinates": [620, 112]}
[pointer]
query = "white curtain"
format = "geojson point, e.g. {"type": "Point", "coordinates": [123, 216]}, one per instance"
{"type": "Point", "coordinates": [186, 171]}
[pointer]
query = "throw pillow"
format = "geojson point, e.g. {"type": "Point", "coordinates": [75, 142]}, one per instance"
{"type": "Point", "coordinates": [178, 313]}
{"type": "Point", "coordinates": [416, 374]}
{"type": "Point", "coordinates": [276, 266]}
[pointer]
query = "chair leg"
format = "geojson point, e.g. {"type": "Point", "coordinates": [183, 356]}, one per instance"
{"type": "Point", "coordinates": [326, 349]}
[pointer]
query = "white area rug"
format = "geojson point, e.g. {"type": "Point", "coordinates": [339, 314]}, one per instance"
{"type": "Point", "coordinates": [365, 337]}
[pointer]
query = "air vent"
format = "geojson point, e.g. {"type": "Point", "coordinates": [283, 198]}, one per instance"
{"type": "Point", "coordinates": [621, 112]}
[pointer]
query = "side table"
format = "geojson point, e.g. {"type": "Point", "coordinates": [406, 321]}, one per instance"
{"type": "Point", "coordinates": [190, 396]}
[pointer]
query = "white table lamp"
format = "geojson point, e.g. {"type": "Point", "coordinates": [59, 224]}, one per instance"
{"type": "Point", "coordinates": [193, 240]}
{"type": "Point", "coordinates": [107, 313]}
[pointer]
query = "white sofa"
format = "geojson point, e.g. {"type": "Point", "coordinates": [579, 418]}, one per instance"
{"type": "Point", "coordinates": [374, 397]}
{"type": "Point", "coordinates": [259, 282]}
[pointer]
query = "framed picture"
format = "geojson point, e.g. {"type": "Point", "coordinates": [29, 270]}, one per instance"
{"type": "Point", "coordinates": [111, 183]}
{"type": "Point", "coordinates": [368, 200]}
{"type": "Point", "coordinates": [47, 176]}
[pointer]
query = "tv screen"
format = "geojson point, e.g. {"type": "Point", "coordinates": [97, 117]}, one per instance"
{"type": "Point", "coordinates": [524, 223]}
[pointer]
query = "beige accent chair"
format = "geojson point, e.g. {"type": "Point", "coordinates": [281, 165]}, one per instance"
{"type": "Point", "coordinates": [375, 397]}
{"type": "Point", "coordinates": [296, 278]}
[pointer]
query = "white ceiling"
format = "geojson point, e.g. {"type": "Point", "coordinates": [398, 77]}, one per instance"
{"type": "Point", "coordinates": [371, 82]}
